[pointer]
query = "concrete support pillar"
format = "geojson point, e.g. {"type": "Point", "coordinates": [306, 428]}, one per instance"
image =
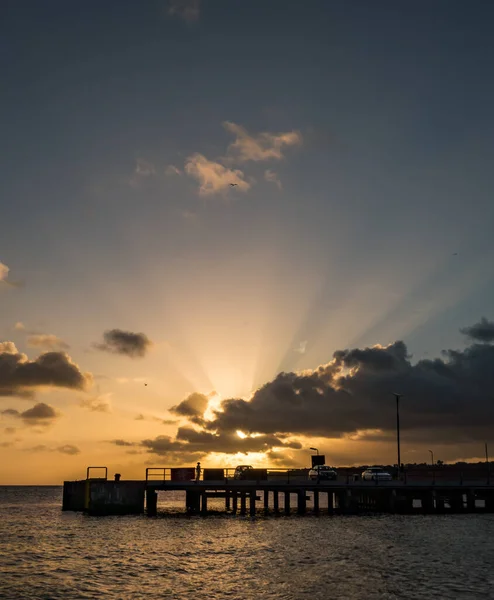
{"type": "Point", "coordinates": [243, 510]}
{"type": "Point", "coordinates": [252, 503]}
{"type": "Point", "coordinates": [439, 502]}
{"type": "Point", "coordinates": [266, 500]}
{"type": "Point", "coordinates": [204, 503]}
{"type": "Point", "coordinates": [316, 501]}
{"type": "Point", "coordinates": [276, 502]}
{"type": "Point", "coordinates": [489, 501]}
{"type": "Point", "coordinates": [287, 503]}
{"type": "Point", "coordinates": [193, 502]}
{"type": "Point", "coordinates": [471, 501]}
{"type": "Point", "coordinates": [234, 502]}
{"type": "Point", "coordinates": [151, 503]}
{"type": "Point", "coordinates": [301, 502]}
{"type": "Point", "coordinates": [331, 502]}
{"type": "Point", "coordinates": [392, 501]}
{"type": "Point", "coordinates": [340, 501]}
{"type": "Point", "coordinates": [427, 500]}
{"type": "Point", "coordinates": [456, 501]}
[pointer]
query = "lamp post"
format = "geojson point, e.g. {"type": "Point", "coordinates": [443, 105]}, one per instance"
{"type": "Point", "coordinates": [432, 457]}
{"type": "Point", "coordinates": [488, 465]}
{"type": "Point", "coordinates": [315, 450]}
{"type": "Point", "coordinates": [398, 396]}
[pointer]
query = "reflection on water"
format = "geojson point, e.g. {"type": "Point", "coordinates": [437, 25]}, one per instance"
{"type": "Point", "coordinates": [45, 553]}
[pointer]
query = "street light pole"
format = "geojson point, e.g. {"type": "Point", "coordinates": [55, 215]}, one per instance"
{"type": "Point", "coordinates": [398, 396]}
{"type": "Point", "coordinates": [488, 466]}
{"type": "Point", "coordinates": [315, 450]}
{"type": "Point", "coordinates": [432, 457]}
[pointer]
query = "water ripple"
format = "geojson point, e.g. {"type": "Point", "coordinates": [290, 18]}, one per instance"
{"type": "Point", "coordinates": [49, 554]}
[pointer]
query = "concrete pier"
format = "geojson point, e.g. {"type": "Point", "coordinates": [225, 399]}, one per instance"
{"type": "Point", "coordinates": [103, 497]}
{"type": "Point", "coordinates": [99, 496]}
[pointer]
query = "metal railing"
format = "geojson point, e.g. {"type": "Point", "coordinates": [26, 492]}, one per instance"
{"type": "Point", "coordinates": [286, 476]}
{"type": "Point", "coordinates": [103, 478]}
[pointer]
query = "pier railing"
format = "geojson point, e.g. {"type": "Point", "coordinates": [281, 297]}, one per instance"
{"type": "Point", "coordinates": [228, 475]}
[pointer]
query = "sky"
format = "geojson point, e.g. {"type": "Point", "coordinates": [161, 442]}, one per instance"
{"type": "Point", "coordinates": [231, 230]}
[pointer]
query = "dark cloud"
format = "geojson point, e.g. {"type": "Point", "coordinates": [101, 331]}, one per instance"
{"type": "Point", "coordinates": [122, 443]}
{"type": "Point", "coordinates": [39, 414]}
{"type": "Point", "coordinates": [193, 408]}
{"type": "Point", "coordinates": [447, 401]}
{"type": "Point", "coordinates": [450, 397]}
{"type": "Point", "coordinates": [11, 412]}
{"type": "Point", "coordinates": [116, 341]}
{"type": "Point", "coordinates": [483, 331]}
{"type": "Point", "coordinates": [190, 442]}
{"type": "Point", "coordinates": [20, 376]}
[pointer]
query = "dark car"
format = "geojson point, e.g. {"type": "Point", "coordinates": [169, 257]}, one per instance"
{"type": "Point", "coordinates": [320, 472]}
{"type": "Point", "coordinates": [242, 471]}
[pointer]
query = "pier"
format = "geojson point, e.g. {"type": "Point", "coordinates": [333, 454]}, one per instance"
{"type": "Point", "coordinates": [273, 492]}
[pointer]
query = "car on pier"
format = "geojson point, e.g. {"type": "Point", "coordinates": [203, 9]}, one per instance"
{"type": "Point", "coordinates": [242, 471]}
{"type": "Point", "coordinates": [322, 472]}
{"type": "Point", "coordinates": [376, 474]}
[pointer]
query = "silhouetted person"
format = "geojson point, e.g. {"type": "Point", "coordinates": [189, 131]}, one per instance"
{"type": "Point", "coordinates": [117, 476]}
{"type": "Point", "coordinates": [198, 471]}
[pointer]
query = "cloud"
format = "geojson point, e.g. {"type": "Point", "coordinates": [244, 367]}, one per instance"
{"type": "Point", "coordinates": [260, 147]}
{"type": "Point", "coordinates": [272, 177]}
{"type": "Point", "coordinates": [144, 168]}
{"type": "Point", "coordinates": [213, 177]}
{"type": "Point", "coordinates": [4, 274]}
{"type": "Point", "coordinates": [142, 417]}
{"type": "Point", "coordinates": [20, 376]}
{"type": "Point", "coordinates": [39, 414]}
{"type": "Point", "coordinates": [171, 170]}
{"type": "Point", "coordinates": [191, 442]}
{"type": "Point", "coordinates": [100, 403]}
{"type": "Point", "coordinates": [193, 407]}
{"type": "Point", "coordinates": [19, 326]}
{"type": "Point", "coordinates": [47, 342]}
{"type": "Point", "coordinates": [188, 10]}
{"type": "Point", "coordinates": [126, 343]}
{"type": "Point", "coordinates": [301, 348]}
{"type": "Point", "coordinates": [483, 331]}
{"type": "Point", "coordinates": [123, 443]}
{"type": "Point", "coordinates": [66, 449]}
{"type": "Point", "coordinates": [448, 399]}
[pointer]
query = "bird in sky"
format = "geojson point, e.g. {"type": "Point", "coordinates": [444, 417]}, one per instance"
{"type": "Point", "coordinates": [233, 184]}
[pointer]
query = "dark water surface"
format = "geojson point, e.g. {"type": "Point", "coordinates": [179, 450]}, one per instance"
{"type": "Point", "coordinates": [47, 554]}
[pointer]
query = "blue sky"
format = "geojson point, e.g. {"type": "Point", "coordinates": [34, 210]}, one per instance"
{"type": "Point", "coordinates": [371, 224]}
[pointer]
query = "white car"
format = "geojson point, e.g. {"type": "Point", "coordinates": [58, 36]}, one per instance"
{"type": "Point", "coordinates": [376, 474]}
{"type": "Point", "coordinates": [322, 472]}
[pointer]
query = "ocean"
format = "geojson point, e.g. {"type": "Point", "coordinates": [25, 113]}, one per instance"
{"type": "Point", "coordinates": [47, 554]}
